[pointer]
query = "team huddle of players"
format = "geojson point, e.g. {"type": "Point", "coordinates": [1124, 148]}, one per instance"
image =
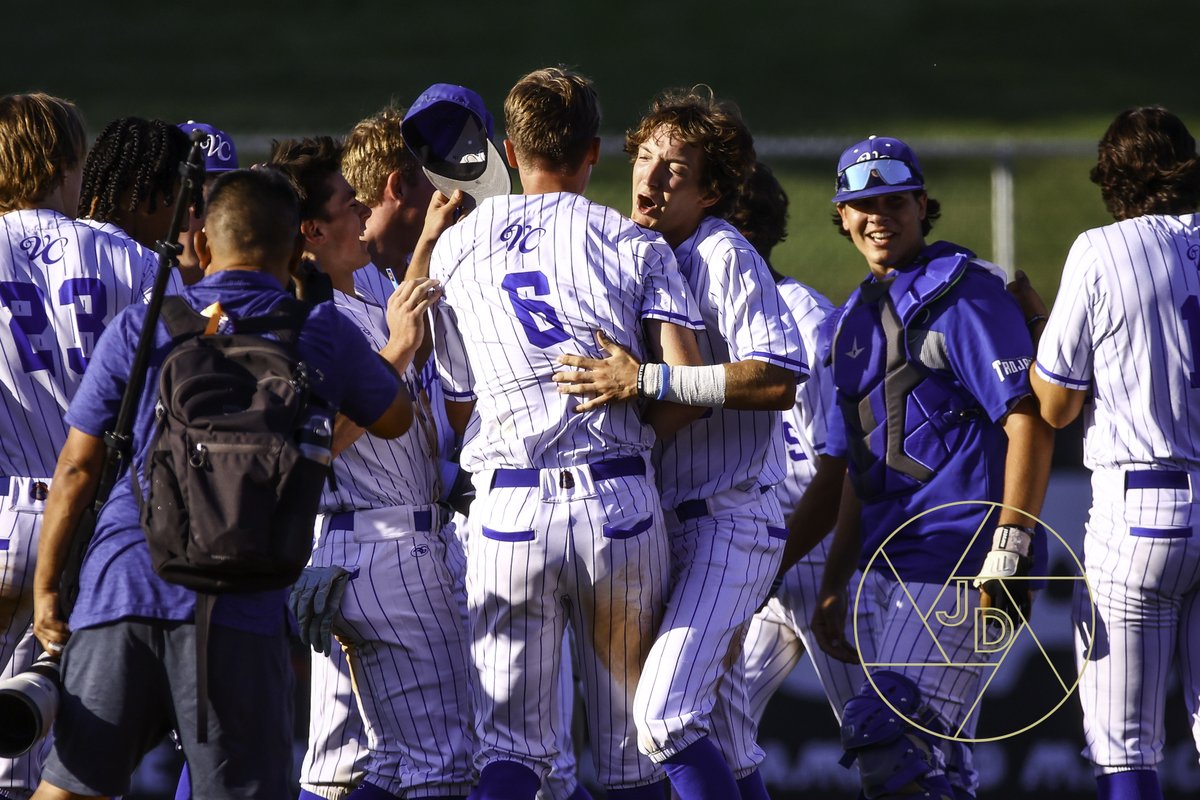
{"type": "Point", "coordinates": [605, 454]}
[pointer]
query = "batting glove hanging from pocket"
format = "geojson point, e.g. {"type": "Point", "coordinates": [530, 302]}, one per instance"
{"type": "Point", "coordinates": [1009, 558]}
{"type": "Point", "coordinates": [315, 598]}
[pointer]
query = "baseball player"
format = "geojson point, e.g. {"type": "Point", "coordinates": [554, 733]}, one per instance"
{"type": "Point", "coordinates": [386, 180]}
{"type": "Point", "coordinates": [131, 176]}
{"type": "Point", "coordinates": [561, 782]}
{"type": "Point", "coordinates": [691, 155]}
{"type": "Point", "coordinates": [378, 540]}
{"type": "Point", "coordinates": [1124, 332]}
{"type": "Point", "coordinates": [220, 156]}
{"type": "Point", "coordinates": [933, 406]}
{"type": "Point", "coordinates": [780, 633]}
{"type": "Point", "coordinates": [60, 284]}
{"type": "Point", "coordinates": [566, 527]}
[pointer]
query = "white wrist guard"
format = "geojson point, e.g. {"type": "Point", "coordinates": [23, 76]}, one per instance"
{"type": "Point", "coordinates": [689, 386]}
{"type": "Point", "coordinates": [1013, 539]}
{"type": "Point", "coordinates": [1010, 545]}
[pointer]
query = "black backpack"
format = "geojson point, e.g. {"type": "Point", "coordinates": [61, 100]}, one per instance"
{"type": "Point", "coordinates": [238, 456]}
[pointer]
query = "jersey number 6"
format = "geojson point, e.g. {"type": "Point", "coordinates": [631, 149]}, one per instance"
{"type": "Point", "coordinates": [542, 326]}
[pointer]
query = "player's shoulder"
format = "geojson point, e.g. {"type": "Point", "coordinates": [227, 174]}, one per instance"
{"type": "Point", "coordinates": [721, 246]}
{"type": "Point", "coordinates": [802, 297]}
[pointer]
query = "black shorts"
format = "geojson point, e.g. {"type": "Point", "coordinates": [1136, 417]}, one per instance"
{"type": "Point", "coordinates": [126, 684]}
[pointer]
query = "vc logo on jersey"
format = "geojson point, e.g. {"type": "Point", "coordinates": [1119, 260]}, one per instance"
{"type": "Point", "coordinates": [44, 248]}
{"type": "Point", "coordinates": [950, 640]}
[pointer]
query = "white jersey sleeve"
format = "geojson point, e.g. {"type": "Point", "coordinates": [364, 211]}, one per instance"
{"type": "Point", "coordinates": [1064, 354]}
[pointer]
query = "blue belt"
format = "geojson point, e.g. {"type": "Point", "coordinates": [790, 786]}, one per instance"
{"type": "Point", "coordinates": [344, 521]}
{"type": "Point", "coordinates": [625, 467]}
{"type": "Point", "coordinates": [1156, 479]}
{"type": "Point", "coordinates": [5, 484]}
{"type": "Point", "coordinates": [695, 509]}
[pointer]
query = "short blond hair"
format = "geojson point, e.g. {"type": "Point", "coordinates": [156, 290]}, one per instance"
{"type": "Point", "coordinates": [374, 150]}
{"type": "Point", "coordinates": [40, 137]}
{"type": "Point", "coordinates": [552, 115]}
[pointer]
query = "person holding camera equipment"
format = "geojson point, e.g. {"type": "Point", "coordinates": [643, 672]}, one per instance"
{"type": "Point", "coordinates": [61, 284]}
{"type": "Point", "coordinates": [130, 665]}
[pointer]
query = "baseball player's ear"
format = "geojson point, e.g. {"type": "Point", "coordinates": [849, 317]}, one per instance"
{"type": "Point", "coordinates": [841, 210]}
{"type": "Point", "coordinates": [311, 232]}
{"type": "Point", "coordinates": [593, 156]}
{"type": "Point", "coordinates": [393, 187]}
{"type": "Point", "coordinates": [922, 202]}
{"type": "Point", "coordinates": [510, 154]}
{"type": "Point", "coordinates": [709, 197]}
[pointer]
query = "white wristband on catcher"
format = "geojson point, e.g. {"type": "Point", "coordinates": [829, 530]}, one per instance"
{"type": "Point", "coordinates": [1010, 543]}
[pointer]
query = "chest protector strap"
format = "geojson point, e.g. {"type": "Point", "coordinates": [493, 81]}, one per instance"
{"type": "Point", "coordinates": [876, 474]}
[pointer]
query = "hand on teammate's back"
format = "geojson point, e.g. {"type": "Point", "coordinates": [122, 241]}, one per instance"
{"type": "Point", "coordinates": [604, 380]}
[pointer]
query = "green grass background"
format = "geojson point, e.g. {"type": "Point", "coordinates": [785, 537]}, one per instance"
{"type": "Point", "coordinates": [964, 71]}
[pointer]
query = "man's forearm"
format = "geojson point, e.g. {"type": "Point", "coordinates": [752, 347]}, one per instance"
{"type": "Point", "coordinates": [817, 511]}
{"type": "Point", "coordinates": [74, 488]}
{"type": "Point", "coordinates": [1027, 463]}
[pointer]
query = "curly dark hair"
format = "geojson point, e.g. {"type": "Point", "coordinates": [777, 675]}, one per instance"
{"type": "Point", "coordinates": [308, 163]}
{"type": "Point", "coordinates": [761, 211]}
{"type": "Point", "coordinates": [135, 160]}
{"type": "Point", "coordinates": [933, 212]}
{"type": "Point", "coordinates": [716, 127]}
{"type": "Point", "coordinates": [1147, 164]}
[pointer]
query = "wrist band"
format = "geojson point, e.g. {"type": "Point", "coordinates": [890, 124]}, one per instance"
{"type": "Point", "coordinates": [665, 384]}
{"type": "Point", "coordinates": [641, 380]}
{"type": "Point", "coordinates": [1013, 539]}
{"type": "Point", "coordinates": [1035, 319]}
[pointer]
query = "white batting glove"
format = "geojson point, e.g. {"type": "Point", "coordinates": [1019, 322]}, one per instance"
{"type": "Point", "coordinates": [315, 598]}
{"type": "Point", "coordinates": [1008, 558]}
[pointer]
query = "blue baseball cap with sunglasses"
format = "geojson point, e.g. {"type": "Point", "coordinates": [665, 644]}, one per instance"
{"type": "Point", "coordinates": [877, 165]}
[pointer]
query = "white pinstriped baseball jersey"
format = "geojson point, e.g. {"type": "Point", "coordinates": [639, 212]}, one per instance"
{"type": "Point", "coordinates": [61, 282]}
{"type": "Point", "coordinates": [1127, 325]}
{"type": "Point", "coordinates": [525, 282]}
{"type": "Point", "coordinates": [804, 423]}
{"type": "Point", "coordinates": [744, 318]}
{"type": "Point", "coordinates": [374, 472]}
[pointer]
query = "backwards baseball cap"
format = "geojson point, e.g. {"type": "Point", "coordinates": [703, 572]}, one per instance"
{"type": "Point", "coordinates": [877, 165]}
{"type": "Point", "coordinates": [219, 153]}
{"type": "Point", "coordinates": [449, 131]}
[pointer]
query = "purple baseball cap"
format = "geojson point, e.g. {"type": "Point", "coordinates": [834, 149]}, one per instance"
{"type": "Point", "coordinates": [877, 165]}
{"type": "Point", "coordinates": [449, 131]}
{"type": "Point", "coordinates": [220, 155]}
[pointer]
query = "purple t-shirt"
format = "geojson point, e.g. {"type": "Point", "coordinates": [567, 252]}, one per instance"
{"type": "Point", "coordinates": [117, 580]}
{"type": "Point", "coordinates": [974, 336]}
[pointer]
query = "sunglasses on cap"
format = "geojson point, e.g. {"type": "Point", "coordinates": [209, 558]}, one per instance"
{"type": "Point", "coordinates": [877, 172]}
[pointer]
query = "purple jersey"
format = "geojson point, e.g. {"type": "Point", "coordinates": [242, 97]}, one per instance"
{"type": "Point", "coordinates": [972, 338]}
{"type": "Point", "coordinates": [117, 580]}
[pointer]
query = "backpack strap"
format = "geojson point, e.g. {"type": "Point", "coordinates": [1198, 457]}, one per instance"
{"type": "Point", "coordinates": [285, 320]}
{"type": "Point", "coordinates": [181, 319]}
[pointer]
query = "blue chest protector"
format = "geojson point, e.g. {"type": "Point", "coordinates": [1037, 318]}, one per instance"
{"type": "Point", "coordinates": [903, 419]}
